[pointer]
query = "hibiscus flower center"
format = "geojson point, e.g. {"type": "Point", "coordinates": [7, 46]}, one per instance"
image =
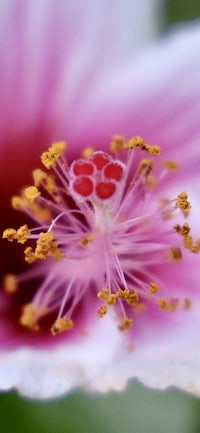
{"type": "Point", "coordinates": [99, 235]}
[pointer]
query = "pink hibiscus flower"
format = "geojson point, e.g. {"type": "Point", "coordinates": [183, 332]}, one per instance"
{"type": "Point", "coordinates": [113, 290]}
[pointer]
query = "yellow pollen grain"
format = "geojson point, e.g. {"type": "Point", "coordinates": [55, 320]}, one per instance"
{"type": "Point", "coordinates": [145, 166]}
{"type": "Point", "coordinates": [31, 193]}
{"type": "Point", "coordinates": [102, 311]}
{"type": "Point", "coordinates": [29, 255]}
{"type": "Point", "coordinates": [84, 242]}
{"type": "Point", "coordinates": [28, 317]}
{"type": "Point", "coordinates": [125, 324]}
{"type": "Point", "coordinates": [61, 325]}
{"type": "Point", "coordinates": [39, 176]}
{"type": "Point", "coordinates": [10, 283]}
{"type": "Point", "coordinates": [139, 142]}
{"type": "Point", "coordinates": [9, 234]}
{"type": "Point", "coordinates": [183, 230]}
{"type": "Point", "coordinates": [45, 246]}
{"type": "Point", "coordinates": [103, 294]}
{"type": "Point", "coordinates": [170, 165]}
{"type": "Point", "coordinates": [111, 300]}
{"type": "Point", "coordinates": [117, 143]}
{"type": "Point", "coordinates": [88, 151]}
{"type": "Point", "coordinates": [153, 288]}
{"type": "Point", "coordinates": [174, 253]}
{"type": "Point", "coordinates": [22, 234]}
{"type": "Point", "coordinates": [54, 152]}
{"type": "Point", "coordinates": [182, 203]}
{"type": "Point", "coordinates": [162, 304]}
{"type": "Point", "coordinates": [18, 202]}
{"type": "Point", "coordinates": [129, 296]}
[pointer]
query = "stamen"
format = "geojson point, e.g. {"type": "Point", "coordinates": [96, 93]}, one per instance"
{"type": "Point", "coordinates": [117, 143]}
{"type": "Point", "coordinates": [175, 253]}
{"type": "Point", "coordinates": [88, 218]}
{"type": "Point", "coordinates": [102, 311]}
{"type": "Point", "coordinates": [29, 317]}
{"type": "Point", "coordinates": [87, 152]}
{"type": "Point", "coordinates": [50, 157]}
{"type": "Point", "coordinates": [31, 193]}
{"type": "Point", "coordinates": [125, 324]}
{"type": "Point", "coordinates": [153, 288]}
{"type": "Point", "coordinates": [183, 203]}
{"type": "Point", "coordinates": [170, 165]}
{"type": "Point", "coordinates": [62, 324]}
{"type": "Point", "coordinates": [10, 283]}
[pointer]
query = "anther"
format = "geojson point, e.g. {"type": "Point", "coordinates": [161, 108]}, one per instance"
{"type": "Point", "coordinates": [54, 152]}
{"type": "Point", "coordinates": [174, 253]}
{"type": "Point", "coordinates": [31, 193]}
{"type": "Point", "coordinates": [10, 283]}
{"type": "Point", "coordinates": [62, 324]}
{"type": "Point", "coordinates": [153, 288]}
{"type": "Point", "coordinates": [125, 324]}
{"type": "Point", "coordinates": [102, 311]}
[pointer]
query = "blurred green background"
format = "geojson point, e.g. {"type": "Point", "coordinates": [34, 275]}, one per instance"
{"type": "Point", "coordinates": [137, 410]}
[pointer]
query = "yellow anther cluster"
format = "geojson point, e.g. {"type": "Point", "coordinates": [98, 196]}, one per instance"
{"type": "Point", "coordinates": [102, 311]}
{"type": "Point", "coordinates": [145, 166]}
{"type": "Point", "coordinates": [45, 246]}
{"type": "Point", "coordinates": [84, 242]}
{"type": "Point", "coordinates": [103, 294]}
{"type": "Point", "coordinates": [23, 203]}
{"type": "Point", "coordinates": [188, 242]}
{"type": "Point", "coordinates": [117, 143]}
{"type": "Point", "coordinates": [54, 152]}
{"type": "Point", "coordinates": [162, 304]}
{"type": "Point", "coordinates": [21, 235]}
{"type": "Point", "coordinates": [88, 151]}
{"type": "Point", "coordinates": [139, 142]}
{"type": "Point", "coordinates": [126, 324]}
{"type": "Point", "coordinates": [18, 202]}
{"type": "Point", "coordinates": [29, 255]}
{"type": "Point", "coordinates": [175, 253]}
{"type": "Point", "coordinates": [111, 299]}
{"type": "Point", "coordinates": [183, 230]}
{"type": "Point", "coordinates": [170, 165]}
{"type": "Point", "coordinates": [10, 283]}
{"type": "Point", "coordinates": [153, 288]}
{"type": "Point", "coordinates": [29, 317]}
{"type": "Point", "coordinates": [61, 325]}
{"type": "Point", "coordinates": [9, 234]}
{"type": "Point", "coordinates": [31, 193]}
{"type": "Point", "coordinates": [130, 296]}
{"type": "Point", "coordinates": [40, 177]}
{"type": "Point", "coordinates": [182, 203]}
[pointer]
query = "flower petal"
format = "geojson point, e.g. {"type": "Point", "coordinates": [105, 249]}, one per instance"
{"type": "Point", "coordinates": [158, 94]}
{"type": "Point", "coordinates": [52, 51]}
{"type": "Point", "coordinates": [39, 374]}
